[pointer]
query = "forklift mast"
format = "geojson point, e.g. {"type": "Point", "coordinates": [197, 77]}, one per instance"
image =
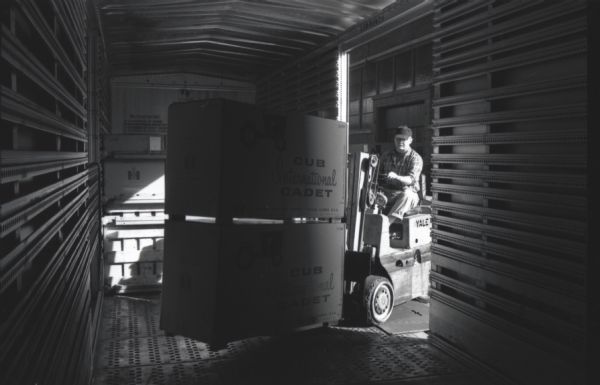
{"type": "Point", "coordinates": [363, 170]}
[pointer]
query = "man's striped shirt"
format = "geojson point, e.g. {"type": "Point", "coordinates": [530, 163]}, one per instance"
{"type": "Point", "coordinates": [408, 164]}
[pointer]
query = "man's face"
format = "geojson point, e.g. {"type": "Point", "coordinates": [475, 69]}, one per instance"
{"type": "Point", "coordinates": [401, 144]}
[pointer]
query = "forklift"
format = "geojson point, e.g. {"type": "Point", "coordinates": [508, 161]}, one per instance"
{"type": "Point", "coordinates": [384, 265]}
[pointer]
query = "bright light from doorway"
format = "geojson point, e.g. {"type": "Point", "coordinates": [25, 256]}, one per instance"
{"type": "Point", "coordinates": [342, 96]}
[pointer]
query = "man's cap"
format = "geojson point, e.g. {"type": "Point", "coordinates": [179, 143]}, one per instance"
{"type": "Point", "coordinates": [403, 131]}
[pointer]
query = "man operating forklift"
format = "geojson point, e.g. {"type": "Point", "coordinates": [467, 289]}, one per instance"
{"type": "Point", "coordinates": [400, 169]}
{"type": "Point", "coordinates": [388, 264]}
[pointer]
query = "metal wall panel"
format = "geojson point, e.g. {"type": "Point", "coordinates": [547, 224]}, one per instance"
{"type": "Point", "coordinates": [140, 103]}
{"type": "Point", "coordinates": [308, 86]}
{"type": "Point", "coordinates": [509, 184]}
{"type": "Point", "coordinates": [49, 186]}
{"type": "Point", "coordinates": [238, 40]}
{"type": "Point", "coordinates": [309, 83]}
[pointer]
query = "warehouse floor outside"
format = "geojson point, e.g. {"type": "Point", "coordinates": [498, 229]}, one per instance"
{"type": "Point", "coordinates": [133, 350]}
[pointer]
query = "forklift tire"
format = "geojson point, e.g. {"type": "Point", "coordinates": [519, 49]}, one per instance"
{"type": "Point", "coordinates": [378, 299]}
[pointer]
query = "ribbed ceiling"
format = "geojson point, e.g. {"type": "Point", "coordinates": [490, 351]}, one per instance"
{"type": "Point", "coordinates": [239, 39]}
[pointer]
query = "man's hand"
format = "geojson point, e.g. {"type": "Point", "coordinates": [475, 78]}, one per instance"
{"type": "Point", "coordinates": [392, 175]}
{"type": "Point", "coordinates": [404, 180]}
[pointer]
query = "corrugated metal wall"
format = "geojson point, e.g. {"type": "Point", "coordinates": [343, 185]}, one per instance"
{"type": "Point", "coordinates": [49, 213]}
{"type": "Point", "coordinates": [509, 183]}
{"type": "Point", "coordinates": [308, 86]}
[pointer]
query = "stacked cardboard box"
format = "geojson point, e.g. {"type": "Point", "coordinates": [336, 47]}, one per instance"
{"type": "Point", "coordinates": [133, 247]}
{"type": "Point", "coordinates": [241, 258]}
{"type": "Point", "coordinates": [133, 221]}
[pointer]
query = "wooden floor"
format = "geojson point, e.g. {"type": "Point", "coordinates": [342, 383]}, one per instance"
{"type": "Point", "coordinates": [133, 350]}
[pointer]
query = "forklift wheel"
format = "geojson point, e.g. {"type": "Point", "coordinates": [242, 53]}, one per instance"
{"type": "Point", "coordinates": [378, 299]}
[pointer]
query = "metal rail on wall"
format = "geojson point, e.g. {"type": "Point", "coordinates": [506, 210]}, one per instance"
{"type": "Point", "coordinates": [509, 184]}
{"type": "Point", "coordinates": [49, 214]}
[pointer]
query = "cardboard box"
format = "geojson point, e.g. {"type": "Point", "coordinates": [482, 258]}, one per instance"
{"type": "Point", "coordinates": [230, 159]}
{"type": "Point", "coordinates": [134, 276]}
{"type": "Point", "coordinates": [133, 258]}
{"type": "Point", "coordinates": [132, 181]}
{"type": "Point", "coordinates": [228, 282]}
{"type": "Point", "coordinates": [123, 239]}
